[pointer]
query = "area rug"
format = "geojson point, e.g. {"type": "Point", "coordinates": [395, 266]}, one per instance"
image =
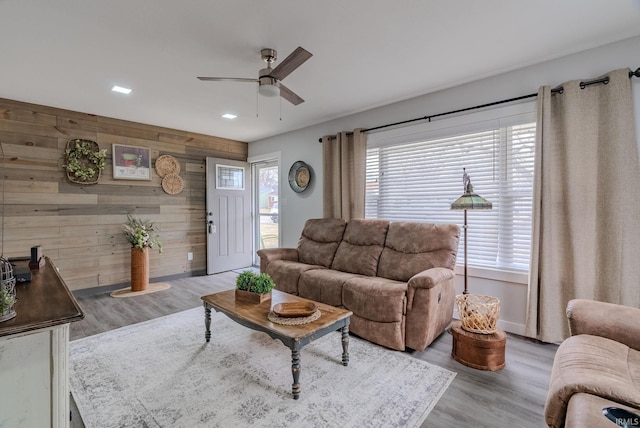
{"type": "Point", "coordinates": [162, 373]}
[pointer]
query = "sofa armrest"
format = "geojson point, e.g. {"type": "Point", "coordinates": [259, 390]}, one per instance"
{"type": "Point", "coordinates": [615, 322]}
{"type": "Point", "coordinates": [430, 301]}
{"type": "Point", "coordinates": [427, 279]}
{"type": "Point", "coordinates": [268, 255]}
{"type": "Point", "coordinates": [431, 277]}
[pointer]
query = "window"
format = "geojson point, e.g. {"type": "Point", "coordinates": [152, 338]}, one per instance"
{"type": "Point", "coordinates": [414, 175]}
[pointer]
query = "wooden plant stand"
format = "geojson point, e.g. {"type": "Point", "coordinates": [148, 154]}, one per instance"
{"type": "Point", "coordinates": [479, 351]}
{"type": "Point", "coordinates": [139, 269]}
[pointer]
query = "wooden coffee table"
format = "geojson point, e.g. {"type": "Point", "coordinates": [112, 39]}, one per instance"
{"type": "Point", "coordinates": [255, 317]}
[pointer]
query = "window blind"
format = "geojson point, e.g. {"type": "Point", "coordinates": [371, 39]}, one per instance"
{"type": "Point", "coordinates": [416, 180]}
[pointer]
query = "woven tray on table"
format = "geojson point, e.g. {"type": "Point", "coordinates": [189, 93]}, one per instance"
{"type": "Point", "coordinates": [478, 314]}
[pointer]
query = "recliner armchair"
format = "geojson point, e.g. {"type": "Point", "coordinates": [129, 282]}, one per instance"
{"type": "Point", "coordinates": [597, 367]}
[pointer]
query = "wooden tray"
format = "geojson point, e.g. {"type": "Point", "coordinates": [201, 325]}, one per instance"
{"type": "Point", "coordinates": [295, 309]}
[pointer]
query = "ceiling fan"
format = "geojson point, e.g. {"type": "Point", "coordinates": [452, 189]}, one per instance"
{"type": "Point", "coordinates": [269, 79]}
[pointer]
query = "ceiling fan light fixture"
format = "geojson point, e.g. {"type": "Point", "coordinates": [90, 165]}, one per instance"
{"type": "Point", "coordinates": [267, 86]}
{"type": "Point", "coordinates": [269, 90]}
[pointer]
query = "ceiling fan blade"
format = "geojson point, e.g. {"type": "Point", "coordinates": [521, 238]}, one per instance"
{"type": "Point", "coordinates": [232, 79]}
{"type": "Point", "coordinates": [289, 95]}
{"type": "Point", "coordinates": [290, 63]}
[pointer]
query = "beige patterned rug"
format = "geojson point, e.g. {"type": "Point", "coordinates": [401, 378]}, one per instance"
{"type": "Point", "coordinates": [162, 373]}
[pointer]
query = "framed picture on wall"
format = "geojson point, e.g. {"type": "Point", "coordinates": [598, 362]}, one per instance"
{"type": "Point", "coordinates": [131, 163]}
{"type": "Point", "coordinates": [229, 177]}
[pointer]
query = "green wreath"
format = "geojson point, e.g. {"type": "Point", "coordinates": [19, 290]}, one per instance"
{"type": "Point", "coordinates": [84, 161]}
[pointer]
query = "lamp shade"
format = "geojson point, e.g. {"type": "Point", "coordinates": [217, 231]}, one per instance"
{"type": "Point", "coordinates": [269, 90]}
{"type": "Point", "coordinates": [471, 201]}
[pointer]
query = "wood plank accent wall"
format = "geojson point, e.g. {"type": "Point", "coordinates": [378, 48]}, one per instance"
{"type": "Point", "coordinates": [80, 226]}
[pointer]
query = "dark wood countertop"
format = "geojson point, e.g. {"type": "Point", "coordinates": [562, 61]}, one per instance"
{"type": "Point", "coordinates": [44, 302]}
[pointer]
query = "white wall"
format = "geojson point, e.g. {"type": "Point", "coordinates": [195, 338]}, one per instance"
{"type": "Point", "coordinates": [303, 145]}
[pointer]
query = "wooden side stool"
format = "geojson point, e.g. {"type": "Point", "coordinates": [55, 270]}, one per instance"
{"type": "Point", "coordinates": [479, 351]}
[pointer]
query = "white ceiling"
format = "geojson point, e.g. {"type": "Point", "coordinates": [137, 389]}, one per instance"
{"type": "Point", "coordinates": [366, 53]}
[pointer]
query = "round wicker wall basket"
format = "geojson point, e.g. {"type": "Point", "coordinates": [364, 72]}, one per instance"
{"type": "Point", "coordinates": [167, 164]}
{"type": "Point", "coordinates": [172, 184]}
{"type": "Point", "coordinates": [478, 314]}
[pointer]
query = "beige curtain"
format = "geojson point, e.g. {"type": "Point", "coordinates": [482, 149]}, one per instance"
{"type": "Point", "coordinates": [344, 168]}
{"type": "Point", "coordinates": [586, 233]}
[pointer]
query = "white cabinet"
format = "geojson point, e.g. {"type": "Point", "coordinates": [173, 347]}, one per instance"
{"type": "Point", "coordinates": [34, 353]}
{"type": "Point", "coordinates": [34, 378]}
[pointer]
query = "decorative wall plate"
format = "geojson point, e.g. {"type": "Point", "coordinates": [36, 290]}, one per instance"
{"type": "Point", "coordinates": [299, 176]}
{"type": "Point", "coordinates": [172, 184]}
{"type": "Point", "coordinates": [167, 164]}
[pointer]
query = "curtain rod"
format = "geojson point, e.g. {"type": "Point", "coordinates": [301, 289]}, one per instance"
{"type": "Point", "coordinates": [557, 90]}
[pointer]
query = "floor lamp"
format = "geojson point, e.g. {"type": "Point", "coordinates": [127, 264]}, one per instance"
{"type": "Point", "coordinates": [468, 201]}
{"type": "Point", "coordinates": [478, 313]}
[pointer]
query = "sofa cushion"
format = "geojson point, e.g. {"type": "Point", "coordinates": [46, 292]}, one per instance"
{"type": "Point", "coordinates": [319, 241]}
{"type": "Point", "coordinates": [285, 274]}
{"type": "Point", "coordinates": [361, 247]}
{"type": "Point", "coordinates": [411, 248]}
{"type": "Point", "coordinates": [375, 299]}
{"type": "Point", "coordinates": [323, 285]}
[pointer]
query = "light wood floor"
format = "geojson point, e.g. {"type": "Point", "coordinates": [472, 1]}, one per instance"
{"type": "Point", "coordinates": [511, 397]}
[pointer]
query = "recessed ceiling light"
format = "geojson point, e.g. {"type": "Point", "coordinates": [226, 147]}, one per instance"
{"type": "Point", "coordinates": [229, 116]}
{"type": "Point", "coordinates": [121, 90]}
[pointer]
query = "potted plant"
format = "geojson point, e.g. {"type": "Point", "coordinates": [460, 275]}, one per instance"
{"type": "Point", "coordinates": [84, 161]}
{"type": "Point", "coordinates": [141, 234]}
{"type": "Point", "coordinates": [253, 288]}
{"type": "Point", "coordinates": [7, 299]}
{"type": "Point", "coordinates": [7, 290]}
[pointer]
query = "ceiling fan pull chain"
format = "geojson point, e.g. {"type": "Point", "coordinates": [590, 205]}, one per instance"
{"type": "Point", "coordinates": [257, 109]}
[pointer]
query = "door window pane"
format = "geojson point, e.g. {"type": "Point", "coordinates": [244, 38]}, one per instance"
{"type": "Point", "coordinates": [268, 222]}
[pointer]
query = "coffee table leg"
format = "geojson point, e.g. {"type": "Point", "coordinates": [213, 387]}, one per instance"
{"type": "Point", "coordinates": [207, 322]}
{"type": "Point", "coordinates": [295, 370]}
{"type": "Point", "coordinates": [345, 345]}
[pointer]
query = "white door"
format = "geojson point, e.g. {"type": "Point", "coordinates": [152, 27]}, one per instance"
{"type": "Point", "coordinates": [228, 219]}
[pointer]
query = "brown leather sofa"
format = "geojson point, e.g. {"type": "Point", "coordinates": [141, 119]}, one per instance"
{"type": "Point", "coordinates": [396, 277]}
{"type": "Point", "coordinates": [597, 367]}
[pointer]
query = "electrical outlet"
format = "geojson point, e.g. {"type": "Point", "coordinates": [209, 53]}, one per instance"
{"type": "Point", "coordinates": [190, 256]}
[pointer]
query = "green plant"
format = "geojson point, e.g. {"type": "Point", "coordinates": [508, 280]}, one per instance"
{"type": "Point", "coordinates": [6, 300]}
{"type": "Point", "coordinates": [141, 233]}
{"type": "Point", "coordinates": [83, 161]}
{"type": "Point", "coordinates": [263, 284]}
{"type": "Point", "coordinates": [243, 281]}
{"type": "Point", "coordinates": [249, 281]}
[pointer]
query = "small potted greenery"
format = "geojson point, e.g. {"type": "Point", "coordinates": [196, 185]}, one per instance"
{"type": "Point", "coordinates": [7, 299]}
{"type": "Point", "coordinates": [84, 161]}
{"type": "Point", "coordinates": [253, 288]}
{"type": "Point", "coordinates": [7, 290]}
